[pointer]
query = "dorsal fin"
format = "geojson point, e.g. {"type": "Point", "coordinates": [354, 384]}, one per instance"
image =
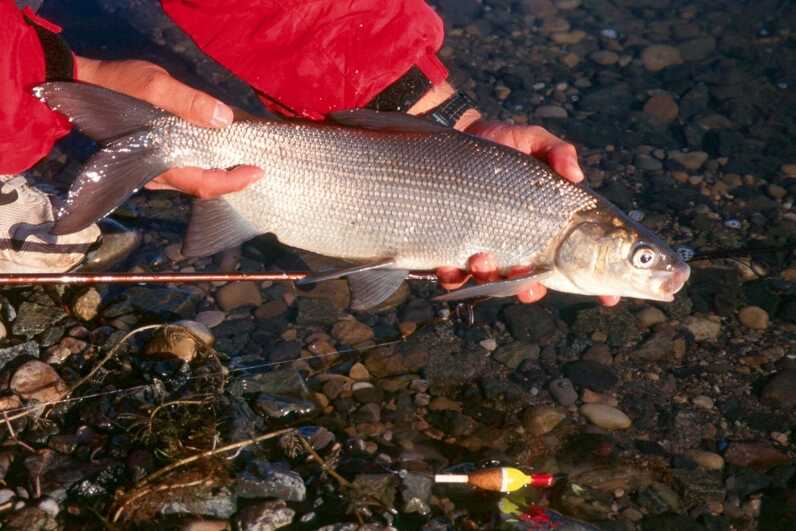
{"type": "Point", "coordinates": [396, 122]}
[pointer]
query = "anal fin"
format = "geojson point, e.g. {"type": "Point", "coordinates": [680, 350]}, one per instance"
{"type": "Point", "coordinates": [215, 226]}
{"type": "Point", "coordinates": [370, 288]}
{"type": "Point", "coordinates": [501, 288]}
{"type": "Point", "coordinates": [339, 273]}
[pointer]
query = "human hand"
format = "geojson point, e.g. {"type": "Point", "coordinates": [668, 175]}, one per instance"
{"type": "Point", "coordinates": [153, 84]}
{"type": "Point", "coordinates": [542, 144]}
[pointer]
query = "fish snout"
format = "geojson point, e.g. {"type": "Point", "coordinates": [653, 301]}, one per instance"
{"type": "Point", "coordinates": [675, 279]}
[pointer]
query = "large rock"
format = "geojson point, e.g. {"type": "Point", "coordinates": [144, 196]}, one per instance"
{"type": "Point", "coordinates": [35, 380]}
{"type": "Point", "coordinates": [29, 348]}
{"type": "Point", "coordinates": [33, 319]}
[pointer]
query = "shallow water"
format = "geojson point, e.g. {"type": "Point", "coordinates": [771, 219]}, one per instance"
{"type": "Point", "coordinates": [684, 112]}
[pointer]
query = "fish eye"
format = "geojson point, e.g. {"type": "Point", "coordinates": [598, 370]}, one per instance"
{"type": "Point", "coordinates": [644, 257]}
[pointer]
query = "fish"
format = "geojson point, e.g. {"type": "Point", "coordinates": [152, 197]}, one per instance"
{"type": "Point", "coordinates": [386, 192]}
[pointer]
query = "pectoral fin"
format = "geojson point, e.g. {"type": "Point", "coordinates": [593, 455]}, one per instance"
{"type": "Point", "coordinates": [370, 288]}
{"type": "Point", "coordinates": [215, 226]}
{"type": "Point", "coordinates": [340, 273]}
{"type": "Point", "coordinates": [502, 288]}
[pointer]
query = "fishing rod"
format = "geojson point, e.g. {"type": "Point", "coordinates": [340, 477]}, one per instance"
{"type": "Point", "coordinates": [11, 279]}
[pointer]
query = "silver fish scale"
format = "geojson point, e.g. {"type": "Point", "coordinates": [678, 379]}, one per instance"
{"type": "Point", "coordinates": [424, 199]}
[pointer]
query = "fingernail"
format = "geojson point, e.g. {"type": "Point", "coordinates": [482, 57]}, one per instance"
{"type": "Point", "coordinates": [576, 172]}
{"type": "Point", "coordinates": [222, 115]}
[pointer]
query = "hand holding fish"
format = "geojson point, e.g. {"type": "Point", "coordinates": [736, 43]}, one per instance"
{"type": "Point", "coordinates": [153, 84]}
{"type": "Point", "coordinates": [542, 144]}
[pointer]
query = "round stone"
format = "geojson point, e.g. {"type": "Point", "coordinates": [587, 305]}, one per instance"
{"type": "Point", "coordinates": [542, 419]}
{"type": "Point", "coordinates": [662, 107]}
{"type": "Point", "coordinates": [706, 460]}
{"type": "Point", "coordinates": [650, 316]}
{"type": "Point", "coordinates": [754, 317]}
{"type": "Point", "coordinates": [606, 417]}
{"type": "Point", "coordinates": [659, 56]}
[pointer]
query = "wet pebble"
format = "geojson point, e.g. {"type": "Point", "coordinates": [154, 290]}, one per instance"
{"type": "Point", "coordinates": [691, 160]}
{"type": "Point", "coordinates": [365, 392]}
{"type": "Point", "coordinates": [659, 56]}
{"type": "Point", "coordinates": [606, 417]}
{"type": "Point", "coordinates": [650, 316]}
{"type": "Point", "coordinates": [351, 332]}
{"type": "Point", "coordinates": [563, 391]}
{"type": "Point", "coordinates": [604, 57]}
{"type": "Point", "coordinates": [218, 503]}
{"type": "Point", "coordinates": [591, 374]}
{"type": "Point", "coordinates": [514, 354]}
{"type": "Point", "coordinates": [416, 493]}
{"type": "Point", "coordinates": [35, 380]}
{"type": "Point", "coordinates": [488, 344]}
{"type": "Point", "coordinates": [265, 516]}
{"type": "Point", "coordinates": [707, 460]}
{"type": "Point", "coordinates": [262, 479]}
{"type": "Point", "coordinates": [86, 306]}
{"type": "Point", "coordinates": [568, 37]}
{"type": "Point", "coordinates": [359, 372]}
{"type": "Point", "coordinates": [703, 402]}
{"type": "Point", "coordinates": [754, 317]}
{"type": "Point", "coordinates": [540, 420]}
{"type": "Point", "coordinates": [758, 455]}
{"type": "Point", "coordinates": [780, 390]}
{"type": "Point", "coordinates": [551, 111]}
{"type": "Point", "coordinates": [238, 295]}
{"type": "Point", "coordinates": [703, 328]}
{"type": "Point", "coordinates": [662, 107]}
{"type": "Point", "coordinates": [211, 318]}
{"type": "Point", "coordinates": [28, 348]}
{"type": "Point", "coordinates": [174, 342]}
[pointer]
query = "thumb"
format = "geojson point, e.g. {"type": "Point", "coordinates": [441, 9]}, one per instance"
{"type": "Point", "coordinates": [191, 104]}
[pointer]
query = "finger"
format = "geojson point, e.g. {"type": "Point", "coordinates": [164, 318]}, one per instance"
{"type": "Point", "coordinates": [193, 105]}
{"type": "Point", "coordinates": [609, 300]}
{"type": "Point", "coordinates": [207, 184]}
{"type": "Point", "coordinates": [563, 158]}
{"type": "Point", "coordinates": [483, 267]}
{"type": "Point", "coordinates": [533, 294]}
{"type": "Point", "coordinates": [451, 278]}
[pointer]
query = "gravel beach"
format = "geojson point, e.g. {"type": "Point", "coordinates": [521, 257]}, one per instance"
{"type": "Point", "coordinates": [305, 415]}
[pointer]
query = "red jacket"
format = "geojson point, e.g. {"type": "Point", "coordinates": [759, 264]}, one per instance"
{"type": "Point", "coordinates": [28, 128]}
{"type": "Point", "coordinates": [305, 58]}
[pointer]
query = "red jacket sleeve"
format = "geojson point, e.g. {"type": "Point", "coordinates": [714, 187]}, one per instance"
{"type": "Point", "coordinates": [28, 128]}
{"type": "Point", "coordinates": [311, 58]}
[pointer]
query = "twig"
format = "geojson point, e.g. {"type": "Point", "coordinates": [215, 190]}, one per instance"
{"type": "Point", "coordinates": [13, 434]}
{"type": "Point", "coordinates": [208, 453]}
{"type": "Point", "coordinates": [206, 482]}
{"type": "Point", "coordinates": [328, 469]}
{"type": "Point", "coordinates": [173, 403]}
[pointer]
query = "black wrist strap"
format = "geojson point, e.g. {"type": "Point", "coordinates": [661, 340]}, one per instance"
{"type": "Point", "coordinates": [449, 111]}
{"type": "Point", "coordinates": [59, 65]}
{"type": "Point", "coordinates": [403, 93]}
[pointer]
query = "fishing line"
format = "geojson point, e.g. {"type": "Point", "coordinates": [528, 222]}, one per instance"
{"type": "Point", "coordinates": [222, 373]}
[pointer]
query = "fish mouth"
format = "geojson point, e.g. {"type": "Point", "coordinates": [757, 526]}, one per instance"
{"type": "Point", "coordinates": [674, 280]}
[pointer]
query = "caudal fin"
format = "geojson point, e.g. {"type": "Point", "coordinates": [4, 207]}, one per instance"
{"type": "Point", "coordinates": [128, 160]}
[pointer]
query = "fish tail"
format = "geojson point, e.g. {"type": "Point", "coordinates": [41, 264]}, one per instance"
{"type": "Point", "coordinates": [130, 157]}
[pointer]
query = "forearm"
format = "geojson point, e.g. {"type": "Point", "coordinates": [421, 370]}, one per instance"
{"type": "Point", "coordinates": [436, 96]}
